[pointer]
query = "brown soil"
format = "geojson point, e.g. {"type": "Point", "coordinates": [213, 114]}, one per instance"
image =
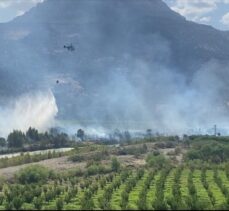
{"type": "Point", "coordinates": [59, 164]}
{"type": "Point", "coordinates": [130, 160]}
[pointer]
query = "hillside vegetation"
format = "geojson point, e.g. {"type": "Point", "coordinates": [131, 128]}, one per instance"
{"type": "Point", "coordinates": [114, 178]}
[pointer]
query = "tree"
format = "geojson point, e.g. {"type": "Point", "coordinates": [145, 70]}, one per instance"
{"type": "Point", "coordinates": [127, 136]}
{"type": "Point", "coordinates": [2, 142]}
{"type": "Point", "coordinates": [59, 204]}
{"type": "Point", "coordinates": [38, 202]}
{"type": "Point", "coordinates": [115, 165]}
{"type": "Point", "coordinates": [33, 174]}
{"type": "Point", "coordinates": [61, 140]}
{"type": "Point", "coordinates": [148, 133]}
{"type": "Point", "coordinates": [141, 203]}
{"type": "Point", "coordinates": [80, 134]}
{"type": "Point", "coordinates": [54, 131]}
{"type": "Point", "coordinates": [158, 161]}
{"type": "Point", "coordinates": [1, 198]}
{"type": "Point", "coordinates": [124, 201]}
{"type": "Point", "coordinates": [67, 197]}
{"type": "Point", "coordinates": [17, 202]}
{"type": "Point", "coordinates": [32, 134]}
{"type": "Point", "coordinates": [16, 139]}
{"type": "Point", "coordinates": [87, 201]}
{"type": "Point", "coordinates": [9, 205]}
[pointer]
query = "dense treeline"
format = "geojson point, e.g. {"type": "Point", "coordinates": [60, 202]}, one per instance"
{"type": "Point", "coordinates": [207, 138]}
{"type": "Point", "coordinates": [211, 151]}
{"type": "Point", "coordinates": [33, 140]}
{"type": "Point", "coordinates": [27, 158]}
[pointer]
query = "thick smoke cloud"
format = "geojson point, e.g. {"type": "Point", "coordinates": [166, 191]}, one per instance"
{"type": "Point", "coordinates": [129, 71]}
{"type": "Point", "coordinates": [37, 110]}
{"type": "Point", "coordinates": [138, 96]}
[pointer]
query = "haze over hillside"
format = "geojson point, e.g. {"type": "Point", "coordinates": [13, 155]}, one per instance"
{"type": "Point", "coordinates": [136, 64]}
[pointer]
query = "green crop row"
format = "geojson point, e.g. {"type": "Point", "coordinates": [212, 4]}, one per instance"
{"type": "Point", "coordinates": [174, 188]}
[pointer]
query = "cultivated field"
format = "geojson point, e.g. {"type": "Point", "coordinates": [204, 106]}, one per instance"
{"type": "Point", "coordinates": [163, 173]}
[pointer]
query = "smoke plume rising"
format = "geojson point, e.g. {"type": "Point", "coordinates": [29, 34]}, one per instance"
{"type": "Point", "coordinates": [136, 65]}
{"type": "Point", "coordinates": [37, 109]}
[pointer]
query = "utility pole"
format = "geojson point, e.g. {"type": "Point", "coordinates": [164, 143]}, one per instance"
{"type": "Point", "coordinates": [215, 130]}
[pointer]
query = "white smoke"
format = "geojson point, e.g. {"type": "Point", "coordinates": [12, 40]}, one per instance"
{"type": "Point", "coordinates": [36, 110]}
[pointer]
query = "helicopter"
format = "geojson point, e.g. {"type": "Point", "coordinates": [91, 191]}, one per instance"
{"type": "Point", "coordinates": [69, 47]}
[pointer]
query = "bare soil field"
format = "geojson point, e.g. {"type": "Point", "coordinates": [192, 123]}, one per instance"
{"type": "Point", "coordinates": [62, 163]}
{"type": "Point", "coordinates": [59, 164]}
{"type": "Point", "coordinates": [130, 160]}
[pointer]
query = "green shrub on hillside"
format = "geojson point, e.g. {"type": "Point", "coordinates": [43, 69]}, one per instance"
{"type": "Point", "coordinates": [157, 161]}
{"type": "Point", "coordinates": [33, 174]}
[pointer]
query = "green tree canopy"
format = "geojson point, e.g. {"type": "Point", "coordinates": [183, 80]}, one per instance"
{"type": "Point", "coordinates": [2, 142]}
{"type": "Point", "coordinates": [32, 134]}
{"type": "Point", "coordinates": [33, 174]}
{"type": "Point", "coordinates": [80, 134]}
{"type": "Point", "coordinates": [115, 165]}
{"type": "Point", "coordinates": [16, 139]}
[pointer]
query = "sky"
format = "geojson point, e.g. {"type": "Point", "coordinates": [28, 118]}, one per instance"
{"type": "Point", "coordinates": [210, 12]}
{"type": "Point", "coordinates": [9, 9]}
